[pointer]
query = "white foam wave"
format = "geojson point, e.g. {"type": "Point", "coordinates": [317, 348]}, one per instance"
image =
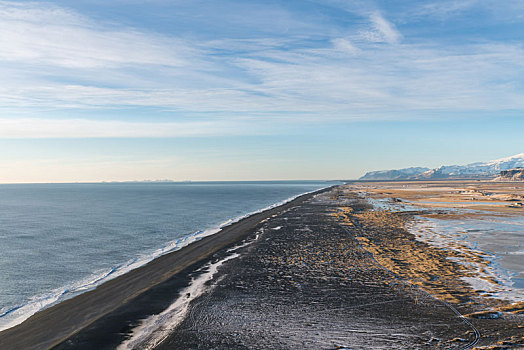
{"type": "Point", "coordinates": [16, 315]}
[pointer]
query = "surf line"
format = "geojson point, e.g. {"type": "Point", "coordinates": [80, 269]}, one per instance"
{"type": "Point", "coordinates": [156, 328]}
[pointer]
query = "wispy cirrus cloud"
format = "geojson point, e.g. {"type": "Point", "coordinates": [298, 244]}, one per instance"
{"type": "Point", "coordinates": [386, 29]}
{"type": "Point", "coordinates": [443, 9]}
{"type": "Point", "coordinates": [44, 34]}
{"type": "Point", "coordinates": [55, 58]}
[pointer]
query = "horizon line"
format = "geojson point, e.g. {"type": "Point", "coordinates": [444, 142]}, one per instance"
{"type": "Point", "coordinates": [167, 181]}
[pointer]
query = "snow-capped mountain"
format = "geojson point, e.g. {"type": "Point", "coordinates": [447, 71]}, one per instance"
{"type": "Point", "coordinates": [516, 174]}
{"type": "Point", "coordinates": [480, 169]}
{"type": "Point", "coordinates": [490, 168]}
{"type": "Point", "coordinates": [399, 174]}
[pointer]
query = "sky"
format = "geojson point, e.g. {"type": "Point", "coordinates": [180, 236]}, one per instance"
{"type": "Point", "coordinates": [255, 90]}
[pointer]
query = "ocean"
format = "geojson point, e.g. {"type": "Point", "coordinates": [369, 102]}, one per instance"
{"type": "Point", "coordinates": [59, 240]}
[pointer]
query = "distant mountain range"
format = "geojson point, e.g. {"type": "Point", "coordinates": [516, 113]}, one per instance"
{"type": "Point", "coordinates": [399, 174]}
{"type": "Point", "coordinates": [487, 169]}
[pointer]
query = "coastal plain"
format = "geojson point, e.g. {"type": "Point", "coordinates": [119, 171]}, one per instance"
{"type": "Point", "coordinates": [336, 269]}
{"type": "Point", "coordinates": [338, 273]}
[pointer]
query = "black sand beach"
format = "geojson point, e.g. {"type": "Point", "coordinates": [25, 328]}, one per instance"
{"type": "Point", "coordinates": [308, 282]}
{"type": "Point", "coordinates": [52, 326]}
{"type": "Point", "coordinates": [312, 276]}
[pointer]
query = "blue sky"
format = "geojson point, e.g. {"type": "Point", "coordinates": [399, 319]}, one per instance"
{"type": "Point", "coordinates": [227, 90]}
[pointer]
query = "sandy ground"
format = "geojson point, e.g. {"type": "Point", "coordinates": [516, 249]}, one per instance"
{"type": "Point", "coordinates": [497, 197]}
{"type": "Point", "coordinates": [334, 274]}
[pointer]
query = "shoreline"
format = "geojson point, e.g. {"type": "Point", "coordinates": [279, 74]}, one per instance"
{"type": "Point", "coordinates": [43, 300]}
{"type": "Point", "coordinates": [51, 326]}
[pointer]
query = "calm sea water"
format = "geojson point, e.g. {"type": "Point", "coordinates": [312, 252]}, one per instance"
{"type": "Point", "coordinates": [59, 240]}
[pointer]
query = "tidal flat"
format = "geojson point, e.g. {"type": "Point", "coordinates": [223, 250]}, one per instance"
{"type": "Point", "coordinates": [479, 224]}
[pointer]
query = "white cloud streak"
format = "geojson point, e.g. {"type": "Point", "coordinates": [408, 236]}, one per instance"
{"type": "Point", "coordinates": [386, 29]}
{"type": "Point", "coordinates": [443, 9]}
{"type": "Point", "coordinates": [344, 45]}
{"type": "Point", "coordinates": [48, 35]}
{"type": "Point", "coordinates": [32, 128]}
